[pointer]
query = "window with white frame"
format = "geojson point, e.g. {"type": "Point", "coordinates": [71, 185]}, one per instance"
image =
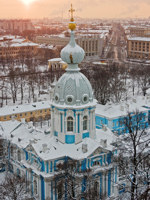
{"type": "Point", "coordinates": [85, 119]}
{"type": "Point", "coordinates": [70, 124]}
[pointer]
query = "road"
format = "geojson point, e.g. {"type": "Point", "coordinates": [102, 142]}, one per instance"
{"type": "Point", "coordinates": [116, 47]}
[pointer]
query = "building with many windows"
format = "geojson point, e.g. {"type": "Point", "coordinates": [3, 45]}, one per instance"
{"type": "Point", "coordinates": [138, 48]}
{"type": "Point", "coordinates": [15, 46]}
{"type": "Point", "coordinates": [91, 43]}
{"type": "Point", "coordinates": [16, 25]}
{"type": "Point", "coordinates": [114, 116]}
{"type": "Point", "coordinates": [36, 111]}
{"type": "Point", "coordinates": [139, 31]}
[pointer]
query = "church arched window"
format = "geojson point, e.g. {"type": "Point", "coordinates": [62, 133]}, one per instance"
{"type": "Point", "coordinates": [18, 172]}
{"type": "Point", "coordinates": [70, 124]}
{"type": "Point", "coordinates": [12, 151]}
{"type": "Point", "coordinates": [35, 187]}
{"type": "Point", "coordinates": [19, 155]}
{"type": "Point", "coordinates": [85, 119]}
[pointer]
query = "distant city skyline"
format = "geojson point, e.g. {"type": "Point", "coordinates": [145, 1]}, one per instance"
{"type": "Point", "coordinates": [84, 8]}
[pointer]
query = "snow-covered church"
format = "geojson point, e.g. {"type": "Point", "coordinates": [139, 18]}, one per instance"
{"type": "Point", "coordinates": [73, 136]}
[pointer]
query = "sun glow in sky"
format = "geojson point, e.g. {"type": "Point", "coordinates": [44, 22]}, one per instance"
{"type": "Point", "coordinates": [27, 2]}
{"type": "Point", "coordinates": [84, 8]}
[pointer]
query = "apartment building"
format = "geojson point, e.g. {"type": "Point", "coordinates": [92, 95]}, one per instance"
{"type": "Point", "coordinates": [138, 48]}
{"type": "Point", "coordinates": [18, 25]}
{"type": "Point", "coordinates": [15, 46]}
{"type": "Point", "coordinates": [91, 43]}
{"type": "Point", "coordinates": [31, 112]}
{"type": "Point", "coordinates": [140, 31]}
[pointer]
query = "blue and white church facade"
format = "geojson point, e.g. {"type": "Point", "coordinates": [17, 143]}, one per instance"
{"type": "Point", "coordinates": [73, 136]}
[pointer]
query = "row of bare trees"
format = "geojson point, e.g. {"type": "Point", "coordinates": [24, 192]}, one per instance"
{"type": "Point", "coordinates": [116, 82]}
{"type": "Point", "coordinates": [133, 159]}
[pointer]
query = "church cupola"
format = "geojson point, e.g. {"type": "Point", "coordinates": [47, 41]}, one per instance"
{"type": "Point", "coordinates": [73, 105]}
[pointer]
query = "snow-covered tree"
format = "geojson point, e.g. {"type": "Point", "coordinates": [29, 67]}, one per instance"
{"type": "Point", "coordinates": [14, 188]}
{"type": "Point", "coordinates": [134, 158]}
{"type": "Point", "coordinates": [72, 183]}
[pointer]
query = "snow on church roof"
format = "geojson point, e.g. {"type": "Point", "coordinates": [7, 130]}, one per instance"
{"type": "Point", "coordinates": [119, 110]}
{"type": "Point", "coordinates": [23, 135]}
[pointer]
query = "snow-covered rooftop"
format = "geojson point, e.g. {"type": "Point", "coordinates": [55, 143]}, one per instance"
{"type": "Point", "coordinates": [24, 136]}
{"type": "Point", "coordinates": [15, 41]}
{"type": "Point", "coordinates": [145, 39]}
{"type": "Point", "coordinates": [9, 110]}
{"type": "Point", "coordinates": [117, 110]}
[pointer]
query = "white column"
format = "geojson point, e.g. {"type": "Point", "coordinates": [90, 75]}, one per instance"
{"type": "Point", "coordinates": [46, 188]}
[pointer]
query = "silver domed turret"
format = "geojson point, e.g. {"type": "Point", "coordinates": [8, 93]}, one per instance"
{"type": "Point", "coordinates": [73, 106]}
{"type": "Point", "coordinates": [72, 53]}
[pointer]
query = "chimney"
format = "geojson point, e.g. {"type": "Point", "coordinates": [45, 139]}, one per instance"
{"type": "Point", "coordinates": [44, 147]}
{"type": "Point", "coordinates": [103, 143]}
{"type": "Point", "coordinates": [23, 120]}
{"type": "Point", "coordinates": [84, 148]}
{"type": "Point", "coordinates": [12, 118]}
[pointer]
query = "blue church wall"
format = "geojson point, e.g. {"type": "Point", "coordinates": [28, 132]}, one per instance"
{"type": "Point", "coordinates": [148, 108]}
{"type": "Point", "coordinates": [61, 120]}
{"type": "Point", "coordinates": [47, 166]}
{"type": "Point", "coordinates": [55, 133]}
{"type": "Point", "coordinates": [51, 166]}
{"type": "Point", "coordinates": [85, 135]}
{"type": "Point", "coordinates": [118, 125]}
{"type": "Point", "coordinates": [43, 166]}
{"type": "Point", "coordinates": [70, 139]}
{"type": "Point", "coordinates": [109, 183]}
{"type": "Point", "coordinates": [51, 190]}
{"type": "Point", "coordinates": [116, 174]}
{"type": "Point", "coordinates": [109, 157]}
{"type": "Point", "coordinates": [78, 123]}
{"type": "Point", "coordinates": [99, 121]}
{"type": "Point", "coordinates": [42, 188]}
{"type": "Point", "coordinates": [83, 165]}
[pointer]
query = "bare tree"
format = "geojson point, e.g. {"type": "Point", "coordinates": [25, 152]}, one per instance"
{"type": "Point", "coordinates": [73, 183]}
{"type": "Point", "coordinates": [101, 85]}
{"type": "Point", "coordinates": [134, 157]}
{"type": "Point", "coordinates": [14, 188]}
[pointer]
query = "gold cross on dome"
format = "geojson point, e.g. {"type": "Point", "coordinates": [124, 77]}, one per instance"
{"type": "Point", "coordinates": [72, 11]}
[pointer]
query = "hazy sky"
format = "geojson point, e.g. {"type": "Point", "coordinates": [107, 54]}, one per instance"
{"type": "Point", "coordinates": [84, 8]}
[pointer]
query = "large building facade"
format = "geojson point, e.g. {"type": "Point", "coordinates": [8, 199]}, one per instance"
{"type": "Point", "coordinates": [73, 136]}
{"type": "Point", "coordinates": [15, 46]}
{"type": "Point", "coordinates": [140, 31]}
{"type": "Point", "coordinates": [92, 44]}
{"type": "Point", "coordinates": [16, 25]}
{"type": "Point", "coordinates": [138, 48]}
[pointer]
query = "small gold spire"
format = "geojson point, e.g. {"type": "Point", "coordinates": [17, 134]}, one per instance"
{"type": "Point", "coordinates": [72, 25]}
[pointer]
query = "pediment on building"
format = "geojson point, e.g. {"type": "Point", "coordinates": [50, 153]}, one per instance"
{"type": "Point", "coordinates": [99, 150]}
{"type": "Point", "coordinates": [31, 149]}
